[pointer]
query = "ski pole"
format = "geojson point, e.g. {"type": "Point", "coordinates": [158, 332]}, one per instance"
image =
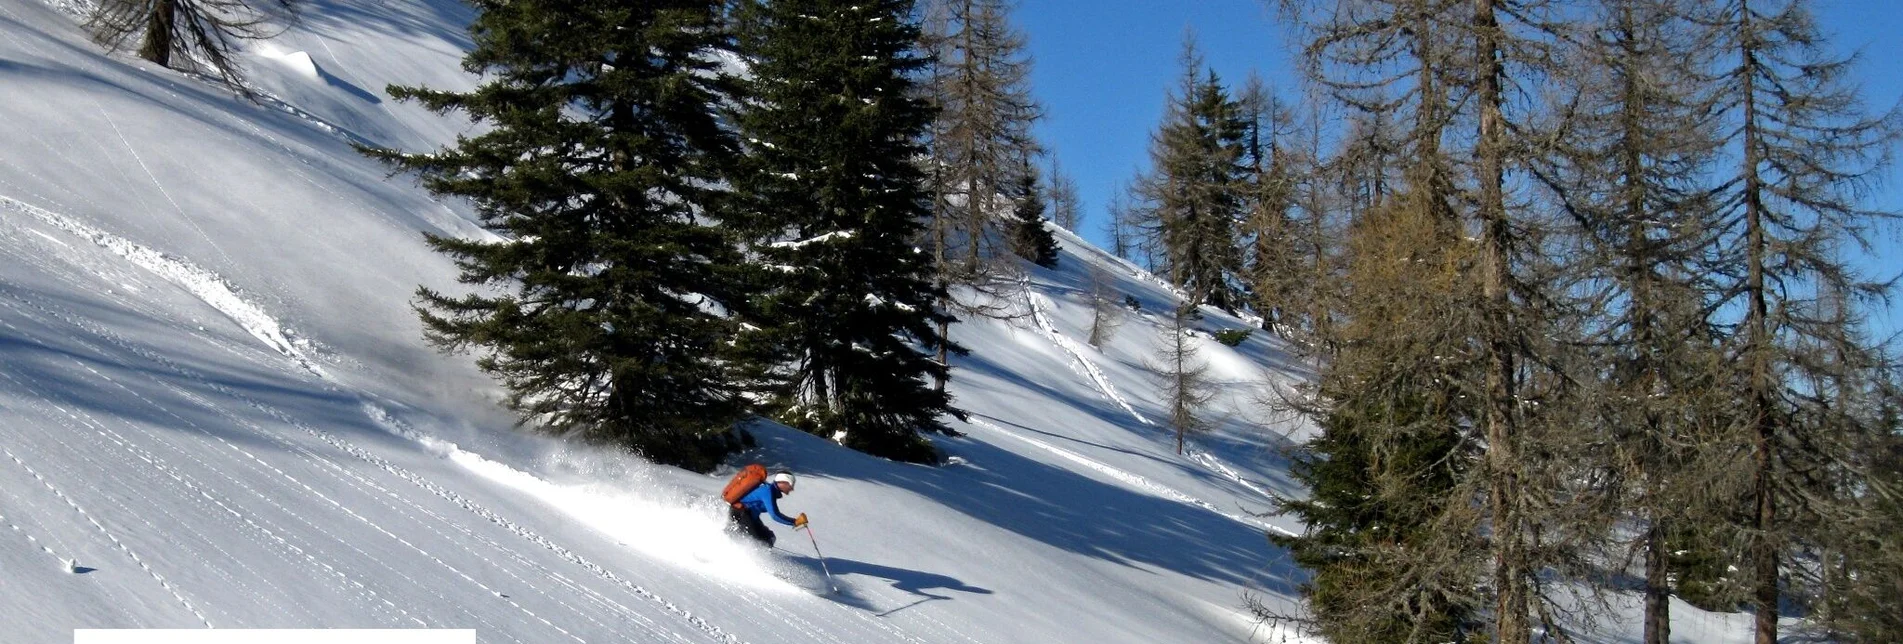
{"type": "Point", "coordinates": [822, 558]}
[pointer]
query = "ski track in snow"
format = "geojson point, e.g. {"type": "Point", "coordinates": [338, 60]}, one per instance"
{"type": "Point", "coordinates": [325, 462]}
{"type": "Point", "coordinates": [1210, 461]}
{"type": "Point", "coordinates": [1034, 302]}
{"type": "Point", "coordinates": [1089, 369]}
{"type": "Point", "coordinates": [202, 284]}
{"type": "Point", "coordinates": [255, 525]}
{"type": "Point", "coordinates": [33, 540]}
{"type": "Point", "coordinates": [108, 534]}
{"type": "Point", "coordinates": [155, 179]}
{"type": "Point", "coordinates": [315, 564]}
{"type": "Point", "coordinates": [214, 291]}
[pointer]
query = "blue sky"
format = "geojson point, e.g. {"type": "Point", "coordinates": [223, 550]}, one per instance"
{"type": "Point", "coordinates": [1102, 68]}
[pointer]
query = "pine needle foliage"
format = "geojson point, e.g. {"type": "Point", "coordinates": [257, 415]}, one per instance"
{"type": "Point", "coordinates": [835, 203]}
{"type": "Point", "coordinates": [1030, 239]}
{"type": "Point", "coordinates": [597, 307]}
{"type": "Point", "coordinates": [1388, 536]}
{"type": "Point", "coordinates": [1192, 196]}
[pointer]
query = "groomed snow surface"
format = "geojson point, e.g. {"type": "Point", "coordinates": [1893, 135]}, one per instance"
{"type": "Point", "coordinates": [216, 409]}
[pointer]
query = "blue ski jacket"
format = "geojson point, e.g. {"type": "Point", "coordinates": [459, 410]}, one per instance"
{"type": "Point", "coordinates": [765, 498]}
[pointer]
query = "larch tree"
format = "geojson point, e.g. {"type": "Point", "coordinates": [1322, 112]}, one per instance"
{"type": "Point", "coordinates": [1632, 172]}
{"type": "Point", "coordinates": [1106, 310]}
{"type": "Point", "coordinates": [1120, 224]}
{"type": "Point", "coordinates": [1390, 537]}
{"type": "Point", "coordinates": [978, 81]}
{"type": "Point", "coordinates": [597, 165]}
{"type": "Point", "coordinates": [190, 35]}
{"type": "Point", "coordinates": [1806, 152]}
{"type": "Point", "coordinates": [1462, 78]}
{"type": "Point", "coordinates": [1274, 263]}
{"type": "Point", "coordinates": [1066, 209]}
{"type": "Point", "coordinates": [981, 86]}
{"type": "Point", "coordinates": [1184, 376]}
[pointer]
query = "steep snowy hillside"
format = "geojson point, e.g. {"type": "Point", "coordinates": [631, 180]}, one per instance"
{"type": "Point", "coordinates": [216, 409]}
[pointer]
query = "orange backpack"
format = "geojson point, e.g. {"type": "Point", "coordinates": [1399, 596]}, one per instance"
{"type": "Point", "coordinates": [744, 481]}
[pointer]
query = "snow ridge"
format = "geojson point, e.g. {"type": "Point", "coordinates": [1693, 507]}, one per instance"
{"type": "Point", "coordinates": [201, 283]}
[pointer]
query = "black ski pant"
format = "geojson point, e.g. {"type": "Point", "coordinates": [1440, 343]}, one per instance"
{"type": "Point", "coordinates": [745, 522]}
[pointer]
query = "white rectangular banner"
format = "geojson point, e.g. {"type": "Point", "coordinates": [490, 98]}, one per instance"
{"type": "Point", "coordinates": [273, 636]}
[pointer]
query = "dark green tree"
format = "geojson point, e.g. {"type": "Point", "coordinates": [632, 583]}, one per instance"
{"type": "Point", "coordinates": [1029, 238]}
{"type": "Point", "coordinates": [836, 205]}
{"type": "Point", "coordinates": [1391, 561]}
{"type": "Point", "coordinates": [601, 144]}
{"type": "Point", "coordinates": [1194, 191]}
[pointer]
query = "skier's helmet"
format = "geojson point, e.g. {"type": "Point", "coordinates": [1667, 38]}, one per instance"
{"type": "Point", "coordinates": [783, 477]}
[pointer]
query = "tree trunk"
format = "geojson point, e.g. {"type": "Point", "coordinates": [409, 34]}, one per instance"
{"type": "Point", "coordinates": [158, 33]}
{"type": "Point", "coordinates": [941, 266]}
{"type": "Point", "coordinates": [944, 342]}
{"type": "Point", "coordinates": [1640, 318]}
{"type": "Point", "coordinates": [1764, 551]}
{"type": "Point", "coordinates": [1509, 569]}
{"type": "Point", "coordinates": [1658, 592]}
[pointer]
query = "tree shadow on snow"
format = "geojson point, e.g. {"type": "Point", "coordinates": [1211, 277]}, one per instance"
{"type": "Point", "coordinates": [1058, 507]}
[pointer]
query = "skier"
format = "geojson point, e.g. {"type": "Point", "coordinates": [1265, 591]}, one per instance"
{"type": "Point", "coordinates": [765, 498]}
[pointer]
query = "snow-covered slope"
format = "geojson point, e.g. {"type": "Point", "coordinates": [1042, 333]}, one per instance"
{"type": "Point", "coordinates": [216, 409]}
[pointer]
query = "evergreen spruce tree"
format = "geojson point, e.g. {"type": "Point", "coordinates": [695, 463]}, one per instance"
{"type": "Point", "coordinates": [1029, 238]}
{"type": "Point", "coordinates": [601, 145]}
{"type": "Point", "coordinates": [1861, 595]}
{"type": "Point", "coordinates": [1194, 192]}
{"type": "Point", "coordinates": [1385, 538]}
{"type": "Point", "coordinates": [835, 203]}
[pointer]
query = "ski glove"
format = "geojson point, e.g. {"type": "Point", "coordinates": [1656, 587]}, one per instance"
{"type": "Point", "coordinates": [799, 521]}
